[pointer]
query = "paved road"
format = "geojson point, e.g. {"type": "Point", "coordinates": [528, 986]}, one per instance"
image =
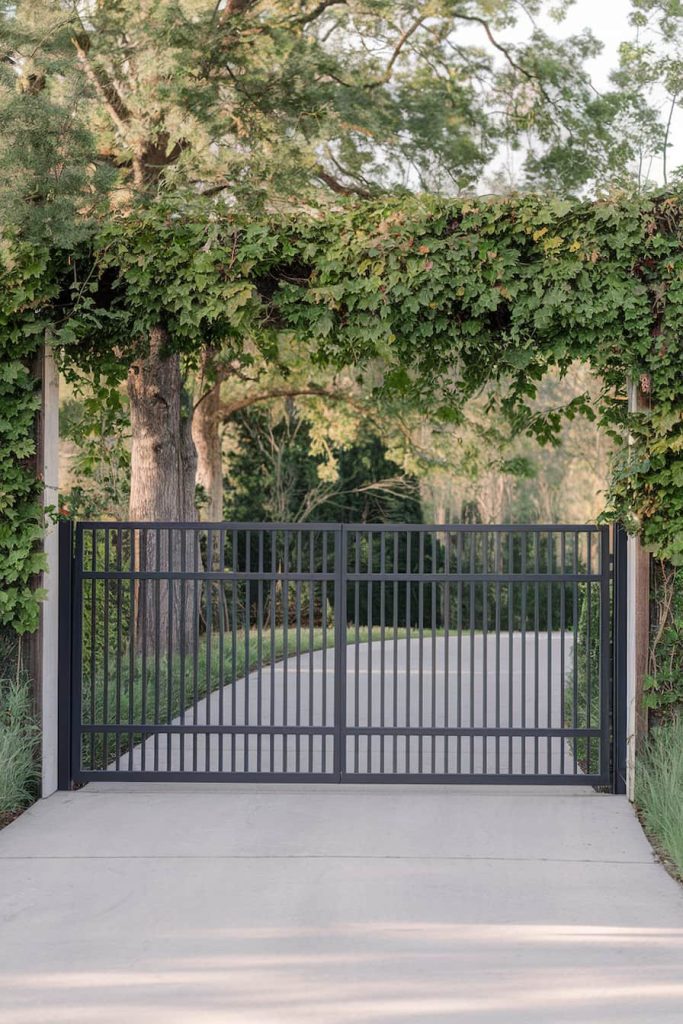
{"type": "Point", "coordinates": [504, 681]}
{"type": "Point", "coordinates": [335, 904]}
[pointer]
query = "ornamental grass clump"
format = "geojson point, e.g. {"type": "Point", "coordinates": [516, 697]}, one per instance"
{"type": "Point", "coordinates": [18, 746]}
{"type": "Point", "coordinates": [659, 789]}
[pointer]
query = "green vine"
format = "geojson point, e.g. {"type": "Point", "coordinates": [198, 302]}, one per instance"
{"type": "Point", "coordinates": [24, 293]}
{"type": "Point", "coordinates": [455, 298]}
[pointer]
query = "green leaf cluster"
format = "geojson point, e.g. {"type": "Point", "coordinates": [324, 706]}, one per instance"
{"type": "Point", "coordinates": [25, 292]}
{"type": "Point", "coordinates": [456, 299]}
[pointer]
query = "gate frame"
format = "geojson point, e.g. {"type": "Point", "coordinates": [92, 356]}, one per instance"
{"type": "Point", "coordinates": [613, 641]}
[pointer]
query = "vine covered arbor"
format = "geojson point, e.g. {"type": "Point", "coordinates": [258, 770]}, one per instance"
{"type": "Point", "coordinates": [451, 300]}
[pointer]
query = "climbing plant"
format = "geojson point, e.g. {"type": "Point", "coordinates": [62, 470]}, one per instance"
{"type": "Point", "coordinates": [453, 298]}
{"type": "Point", "coordinates": [25, 291]}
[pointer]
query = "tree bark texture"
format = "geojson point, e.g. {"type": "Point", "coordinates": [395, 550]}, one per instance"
{"type": "Point", "coordinates": [162, 489]}
{"type": "Point", "coordinates": [206, 432]}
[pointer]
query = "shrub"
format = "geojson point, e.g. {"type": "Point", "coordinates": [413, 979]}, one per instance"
{"type": "Point", "coordinates": [659, 788]}
{"type": "Point", "coordinates": [19, 772]}
{"type": "Point", "coordinates": [664, 681]}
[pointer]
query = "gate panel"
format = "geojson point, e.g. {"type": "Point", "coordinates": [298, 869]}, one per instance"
{"type": "Point", "coordinates": [204, 651]}
{"type": "Point", "coordinates": [478, 653]}
{"type": "Point", "coordinates": [387, 653]}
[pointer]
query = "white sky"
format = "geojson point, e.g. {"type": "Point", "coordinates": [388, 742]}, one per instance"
{"type": "Point", "coordinates": [608, 21]}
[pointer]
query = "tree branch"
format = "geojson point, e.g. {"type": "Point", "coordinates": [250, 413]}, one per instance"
{"type": "Point", "coordinates": [306, 19]}
{"type": "Point", "coordinates": [338, 186]}
{"type": "Point", "coordinates": [529, 75]}
{"type": "Point", "coordinates": [403, 39]}
{"type": "Point", "coordinates": [230, 408]}
{"type": "Point", "coordinates": [105, 89]}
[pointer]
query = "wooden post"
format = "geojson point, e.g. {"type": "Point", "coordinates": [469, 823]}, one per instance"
{"type": "Point", "coordinates": [43, 644]}
{"type": "Point", "coordinates": [638, 626]}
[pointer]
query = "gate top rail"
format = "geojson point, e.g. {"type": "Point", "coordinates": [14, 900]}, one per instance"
{"type": "Point", "coordinates": [115, 524]}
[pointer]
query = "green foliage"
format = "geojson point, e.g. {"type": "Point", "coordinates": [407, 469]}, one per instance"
{"type": "Point", "coordinates": [663, 684]}
{"type": "Point", "coordinates": [19, 736]}
{"type": "Point", "coordinates": [25, 291]}
{"type": "Point", "coordinates": [272, 475]}
{"type": "Point", "coordinates": [282, 99]}
{"type": "Point", "coordinates": [659, 784]}
{"type": "Point", "coordinates": [454, 299]}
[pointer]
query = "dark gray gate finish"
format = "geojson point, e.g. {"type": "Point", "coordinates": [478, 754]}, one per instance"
{"type": "Point", "coordinates": [466, 653]}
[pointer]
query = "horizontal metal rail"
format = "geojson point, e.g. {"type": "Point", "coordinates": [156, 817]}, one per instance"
{"type": "Point", "coordinates": [403, 653]}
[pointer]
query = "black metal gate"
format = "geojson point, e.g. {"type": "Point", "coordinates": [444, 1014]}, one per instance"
{"type": "Point", "coordinates": [322, 652]}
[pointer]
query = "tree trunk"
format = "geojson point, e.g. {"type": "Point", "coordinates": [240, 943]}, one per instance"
{"type": "Point", "coordinates": [206, 433]}
{"type": "Point", "coordinates": [163, 466]}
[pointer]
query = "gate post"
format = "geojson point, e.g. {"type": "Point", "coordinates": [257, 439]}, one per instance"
{"type": "Point", "coordinates": [620, 664]}
{"type": "Point", "coordinates": [64, 694]}
{"type": "Point", "coordinates": [340, 556]}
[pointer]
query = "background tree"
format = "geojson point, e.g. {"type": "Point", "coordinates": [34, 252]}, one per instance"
{"type": "Point", "coordinates": [280, 103]}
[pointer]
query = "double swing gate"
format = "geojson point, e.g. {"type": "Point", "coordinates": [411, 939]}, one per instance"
{"type": "Point", "coordinates": [324, 652]}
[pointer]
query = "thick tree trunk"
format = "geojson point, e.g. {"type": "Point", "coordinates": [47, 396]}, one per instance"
{"type": "Point", "coordinates": [162, 487]}
{"type": "Point", "coordinates": [206, 433]}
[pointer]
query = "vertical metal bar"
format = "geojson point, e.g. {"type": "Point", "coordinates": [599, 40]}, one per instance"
{"type": "Point", "coordinates": [311, 646]}
{"type": "Point", "coordinates": [589, 666]}
{"type": "Point", "coordinates": [524, 585]}
{"type": "Point", "coordinates": [458, 767]}
{"type": "Point", "coordinates": [93, 646]}
{"type": "Point", "coordinates": [369, 617]}
{"type": "Point", "coordinates": [485, 647]}
{"type": "Point", "coordinates": [183, 633]}
{"type": "Point", "coordinates": [605, 653]}
{"type": "Point", "coordinates": [324, 716]}
{"type": "Point", "coordinates": [157, 647]}
{"type": "Point", "coordinates": [105, 650]}
{"type": "Point", "coordinates": [168, 717]}
{"type": "Point", "coordinates": [433, 624]}
{"type": "Point", "coordinates": [273, 623]}
{"type": "Point", "coordinates": [446, 646]}
{"type": "Point", "coordinates": [209, 646]}
{"type": "Point", "coordinates": [473, 598]}
{"type": "Point", "coordinates": [619, 706]}
{"type": "Point", "coordinates": [575, 653]}
{"type": "Point", "coordinates": [259, 651]}
{"type": "Point", "coordinates": [395, 593]}
{"type": "Point", "coordinates": [340, 587]}
{"type": "Point", "coordinates": [247, 645]}
{"type": "Point", "coordinates": [537, 626]}
{"type": "Point", "coordinates": [233, 647]}
{"type": "Point", "coordinates": [220, 594]}
{"type": "Point", "coordinates": [77, 746]}
{"type": "Point", "coordinates": [408, 641]}
{"type": "Point", "coordinates": [119, 641]}
{"type": "Point", "coordinates": [420, 646]}
{"type": "Point", "coordinates": [297, 622]}
{"type": "Point", "coordinates": [356, 653]}
{"type": "Point", "coordinates": [285, 648]}
{"type": "Point", "coordinates": [67, 683]}
{"type": "Point", "coordinates": [563, 630]}
{"type": "Point", "coordinates": [382, 642]}
{"type": "Point", "coordinates": [195, 645]}
{"type": "Point", "coordinates": [549, 630]}
{"type": "Point", "coordinates": [133, 598]}
{"type": "Point", "coordinates": [511, 648]}
{"type": "Point", "coordinates": [499, 568]}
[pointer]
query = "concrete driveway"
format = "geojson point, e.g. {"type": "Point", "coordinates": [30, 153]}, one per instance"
{"type": "Point", "coordinates": [504, 680]}
{"type": "Point", "coordinates": [255, 904]}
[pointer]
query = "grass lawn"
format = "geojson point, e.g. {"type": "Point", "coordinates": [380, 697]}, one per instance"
{"type": "Point", "coordinates": [156, 689]}
{"type": "Point", "coordinates": [659, 791]}
{"type": "Point", "coordinates": [19, 737]}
